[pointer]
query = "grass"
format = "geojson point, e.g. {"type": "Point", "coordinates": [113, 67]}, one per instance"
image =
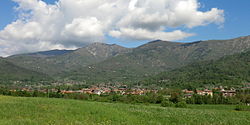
{"type": "Point", "coordinates": [44, 111]}
{"type": "Point", "coordinates": [213, 107]}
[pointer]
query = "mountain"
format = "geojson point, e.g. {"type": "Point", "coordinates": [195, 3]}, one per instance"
{"type": "Point", "coordinates": [101, 62]}
{"type": "Point", "coordinates": [229, 71]}
{"type": "Point", "coordinates": [49, 53]}
{"type": "Point", "coordinates": [10, 72]}
{"type": "Point", "coordinates": [155, 57]}
{"type": "Point", "coordinates": [64, 60]}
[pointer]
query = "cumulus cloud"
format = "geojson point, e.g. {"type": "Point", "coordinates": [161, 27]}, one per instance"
{"type": "Point", "coordinates": [73, 23]}
{"type": "Point", "coordinates": [89, 29]}
{"type": "Point", "coordinates": [143, 34]}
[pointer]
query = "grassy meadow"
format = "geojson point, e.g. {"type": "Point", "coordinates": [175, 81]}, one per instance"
{"type": "Point", "coordinates": [45, 111]}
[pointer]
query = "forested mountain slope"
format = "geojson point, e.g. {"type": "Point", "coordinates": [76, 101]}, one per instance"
{"type": "Point", "coordinates": [229, 71]}
{"type": "Point", "coordinates": [10, 72]}
{"type": "Point", "coordinates": [155, 57]}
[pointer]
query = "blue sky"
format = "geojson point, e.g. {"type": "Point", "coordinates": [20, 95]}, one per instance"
{"type": "Point", "coordinates": [236, 24]}
{"type": "Point", "coordinates": [237, 16]}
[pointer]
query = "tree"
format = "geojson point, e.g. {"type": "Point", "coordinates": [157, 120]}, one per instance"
{"type": "Point", "coordinates": [181, 104]}
{"type": "Point", "coordinates": [35, 93]}
{"type": "Point", "coordinates": [166, 103]}
{"type": "Point", "coordinates": [175, 97]}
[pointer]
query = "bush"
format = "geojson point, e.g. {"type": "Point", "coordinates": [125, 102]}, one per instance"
{"type": "Point", "coordinates": [242, 107]}
{"type": "Point", "coordinates": [181, 105]}
{"type": "Point", "coordinates": [167, 104]}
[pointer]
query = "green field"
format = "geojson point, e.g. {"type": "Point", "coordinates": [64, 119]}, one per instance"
{"type": "Point", "coordinates": [44, 111]}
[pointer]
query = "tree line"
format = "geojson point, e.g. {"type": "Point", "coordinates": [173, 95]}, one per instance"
{"type": "Point", "coordinates": [166, 97]}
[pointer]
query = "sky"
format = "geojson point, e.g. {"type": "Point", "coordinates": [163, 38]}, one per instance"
{"type": "Point", "coordinates": [39, 25]}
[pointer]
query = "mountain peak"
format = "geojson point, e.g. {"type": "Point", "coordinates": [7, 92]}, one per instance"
{"type": "Point", "coordinates": [159, 43]}
{"type": "Point", "coordinates": [100, 44]}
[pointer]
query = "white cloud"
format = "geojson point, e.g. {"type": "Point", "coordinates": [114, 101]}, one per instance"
{"type": "Point", "coordinates": [143, 34]}
{"type": "Point", "coordinates": [20, 30]}
{"type": "Point", "coordinates": [73, 23]}
{"type": "Point", "coordinates": [83, 28]}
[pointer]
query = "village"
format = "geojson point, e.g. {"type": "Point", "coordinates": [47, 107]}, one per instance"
{"type": "Point", "coordinates": [225, 93]}
{"type": "Point", "coordinates": [137, 94]}
{"type": "Point", "coordinates": [122, 89]}
{"type": "Point", "coordinates": [98, 90]}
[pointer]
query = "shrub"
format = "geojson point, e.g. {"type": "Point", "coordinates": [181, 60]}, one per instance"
{"type": "Point", "coordinates": [167, 104]}
{"type": "Point", "coordinates": [181, 104]}
{"type": "Point", "coordinates": [242, 107]}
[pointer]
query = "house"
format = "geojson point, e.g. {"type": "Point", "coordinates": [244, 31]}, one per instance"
{"type": "Point", "coordinates": [205, 92]}
{"type": "Point", "coordinates": [87, 91]}
{"type": "Point", "coordinates": [67, 92]}
{"type": "Point", "coordinates": [247, 86]}
{"type": "Point", "coordinates": [97, 92]}
{"type": "Point", "coordinates": [119, 91]}
{"type": "Point", "coordinates": [106, 91]}
{"type": "Point", "coordinates": [12, 90]}
{"type": "Point", "coordinates": [187, 93]}
{"type": "Point", "coordinates": [26, 89]}
{"type": "Point", "coordinates": [228, 93]}
{"type": "Point", "coordinates": [138, 92]}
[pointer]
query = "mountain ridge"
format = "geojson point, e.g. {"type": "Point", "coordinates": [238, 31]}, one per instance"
{"type": "Point", "coordinates": [74, 59]}
{"type": "Point", "coordinates": [9, 72]}
{"type": "Point", "coordinates": [155, 57]}
{"type": "Point", "coordinates": [101, 62]}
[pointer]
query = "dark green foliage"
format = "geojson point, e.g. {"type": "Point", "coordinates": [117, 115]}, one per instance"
{"type": "Point", "coordinates": [57, 62]}
{"type": "Point", "coordinates": [228, 71]}
{"type": "Point", "coordinates": [155, 57]}
{"type": "Point", "coordinates": [49, 53]}
{"type": "Point", "coordinates": [10, 72]}
{"type": "Point", "coordinates": [176, 97]}
{"type": "Point", "coordinates": [244, 97]}
{"type": "Point", "coordinates": [242, 107]}
{"type": "Point", "coordinates": [217, 99]}
{"type": "Point", "coordinates": [102, 63]}
{"type": "Point", "coordinates": [166, 103]}
{"type": "Point", "coordinates": [181, 104]}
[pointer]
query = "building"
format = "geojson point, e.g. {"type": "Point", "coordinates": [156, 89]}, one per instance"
{"type": "Point", "coordinates": [205, 92]}
{"type": "Point", "coordinates": [97, 92]}
{"type": "Point", "coordinates": [187, 93]}
{"type": "Point", "coordinates": [228, 93]}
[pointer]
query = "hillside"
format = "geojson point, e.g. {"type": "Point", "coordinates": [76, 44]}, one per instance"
{"type": "Point", "coordinates": [155, 57]}
{"type": "Point", "coordinates": [44, 111]}
{"type": "Point", "coordinates": [10, 72]}
{"type": "Point", "coordinates": [101, 62]}
{"type": "Point", "coordinates": [229, 71]}
{"type": "Point", "coordinates": [67, 60]}
{"type": "Point", "coordinates": [50, 53]}
{"type": "Point", "coordinates": [45, 53]}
